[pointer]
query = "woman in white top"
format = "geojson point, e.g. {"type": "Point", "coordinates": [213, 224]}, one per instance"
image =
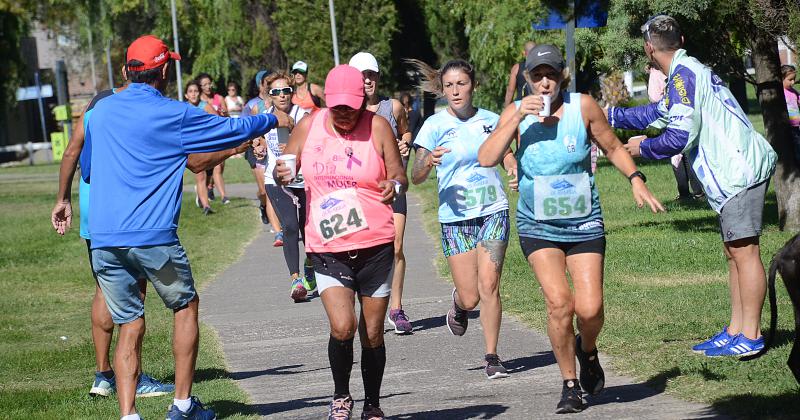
{"type": "Point", "coordinates": [289, 202]}
{"type": "Point", "coordinates": [233, 100]}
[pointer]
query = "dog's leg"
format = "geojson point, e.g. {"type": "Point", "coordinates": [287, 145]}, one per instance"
{"type": "Point", "coordinates": [790, 272]}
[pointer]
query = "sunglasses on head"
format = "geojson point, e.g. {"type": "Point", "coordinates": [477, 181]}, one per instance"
{"type": "Point", "coordinates": [646, 27]}
{"type": "Point", "coordinates": [278, 91]}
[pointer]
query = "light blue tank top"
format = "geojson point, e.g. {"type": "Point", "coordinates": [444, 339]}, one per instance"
{"type": "Point", "coordinates": [558, 198]}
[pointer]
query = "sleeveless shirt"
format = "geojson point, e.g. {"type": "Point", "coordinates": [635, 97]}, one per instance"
{"type": "Point", "coordinates": [522, 85]}
{"type": "Point", "coordinates": [385, 111]}
{"type": "Point", "coordinates": [342, 173]}
{"type": "Point", "coordinates": [558, 199]}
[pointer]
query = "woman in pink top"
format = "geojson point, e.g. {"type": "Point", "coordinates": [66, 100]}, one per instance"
{"type": "Point", "coordinates": [352, 170]}
{"type": "Point", "coordinates": [789, 74]}
{"type": "Point", "coordinates": [217, 102]}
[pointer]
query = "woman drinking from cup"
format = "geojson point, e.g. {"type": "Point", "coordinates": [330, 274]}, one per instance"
{"type": "Point", "coordinates": [558, 216]}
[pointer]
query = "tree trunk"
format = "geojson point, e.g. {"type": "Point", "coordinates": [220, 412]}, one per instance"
{"type": "Point", "coordinates": [776, 124]}
{"type": "Point", "coordinates": [739, 90]}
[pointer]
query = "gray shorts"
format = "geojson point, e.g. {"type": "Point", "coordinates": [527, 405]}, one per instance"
{"type": "Point", "coordinates": [741, 216]}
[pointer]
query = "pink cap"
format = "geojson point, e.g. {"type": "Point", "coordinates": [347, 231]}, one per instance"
{"type": "Point", "coordinates": [344, 86]}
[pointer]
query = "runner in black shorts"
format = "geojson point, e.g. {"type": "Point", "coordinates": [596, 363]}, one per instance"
{"type": "Point", "coordinates": [559, 219]}
{"type": "Point", "coordinates": [349, 231]}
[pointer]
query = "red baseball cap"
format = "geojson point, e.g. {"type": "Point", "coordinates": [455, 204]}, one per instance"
{"type": "Point", "coordinates": [151, 51]}
{"type": "Point", "coordinates": [344, 86]}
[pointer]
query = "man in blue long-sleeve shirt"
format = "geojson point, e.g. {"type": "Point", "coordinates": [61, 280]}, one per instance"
{"type": "Point", "coordinates": [137, 165]}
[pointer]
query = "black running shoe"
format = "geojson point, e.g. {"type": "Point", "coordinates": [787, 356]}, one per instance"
{"type": "Point", "coordinates": [571, 398]}
{"type": "Point", "coordinates": [494, 367]}
{"type": "Point", "coordinates": [593, 379]}
{"type": "Point", "coordinates": [264, 218]}
{"type": "Point", "coordinates": [372, 413]}
{"type": "Point", "coordinates": [211, 194]}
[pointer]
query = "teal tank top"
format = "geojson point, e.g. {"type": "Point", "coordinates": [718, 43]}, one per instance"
{"type": "Point", "coordinates": [558, 199]}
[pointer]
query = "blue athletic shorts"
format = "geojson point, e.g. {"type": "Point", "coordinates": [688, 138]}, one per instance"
{"type": "Point", "coordinates": [464, 236]}
{"type": "Point", "coordinates": [118, 269]}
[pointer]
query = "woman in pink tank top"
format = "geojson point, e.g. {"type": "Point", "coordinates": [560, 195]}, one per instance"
{"type": "Point", "coordinates": [352, 170]}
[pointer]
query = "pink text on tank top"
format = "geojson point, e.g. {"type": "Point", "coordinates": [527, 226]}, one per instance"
{"type": "Point", "coordinates": [342, 173]}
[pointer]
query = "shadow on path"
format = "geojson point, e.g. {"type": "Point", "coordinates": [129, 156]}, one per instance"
{"type": "Point", "coordinates": [280, 370]}
{"type": "Point", "coordinates": [522, 364]}
{"type": "Point", "coordinates": [227, 408]}
{"type": "Point", "coordinates": [486, 411]}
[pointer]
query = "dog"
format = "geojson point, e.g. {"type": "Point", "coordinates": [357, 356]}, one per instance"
{"type": "Point", "coordinates": [786, 262]}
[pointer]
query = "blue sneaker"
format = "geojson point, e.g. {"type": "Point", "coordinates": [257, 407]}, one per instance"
{"type": "Point", "coordinates": [721, 339]}
{"type": "Point", "coordinates": [149, 387]}
{"type": "Point", "coordinates": [102, 387]}
{"type": "Point", "coordinates": [196, 412]}
{"type": "Point", "coordinates": [738, 346]}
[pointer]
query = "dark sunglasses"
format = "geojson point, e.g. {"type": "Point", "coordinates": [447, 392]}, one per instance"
{"type": "Point", "coordinates": [278, 91]}
{"type": "Point", "coordinates": [298, 71]}
{"type": "Point", "coordinates": [646, 27]}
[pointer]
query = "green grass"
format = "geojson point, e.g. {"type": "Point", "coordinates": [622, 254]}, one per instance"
{"type": "Point", "coordinates": [47, 290]}
{"type": "Point", "coordinates": [236, 171]}
{"type": "Point", "coordinates": [665, 290]}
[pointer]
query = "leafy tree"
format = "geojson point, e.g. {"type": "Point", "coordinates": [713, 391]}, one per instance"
{"type": "Point", "coordinates": [495, 33]}
{"type": "Point", "coordinates": [14, 24]}
{"type": "Point", "coordinates": [362, 25]}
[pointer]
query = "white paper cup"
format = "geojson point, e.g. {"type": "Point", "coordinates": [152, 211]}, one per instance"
{"type": "Point", "coordinates": [290, 161]}
{"type": "Point", "coordinates": [545, 111]}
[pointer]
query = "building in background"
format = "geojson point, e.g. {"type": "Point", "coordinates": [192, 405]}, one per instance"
{"type": "Point", "coordinates": [20, 123]}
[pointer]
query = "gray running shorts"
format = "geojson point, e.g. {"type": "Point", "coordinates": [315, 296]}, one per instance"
{"type": "Point", "coordinates": [741, 216]}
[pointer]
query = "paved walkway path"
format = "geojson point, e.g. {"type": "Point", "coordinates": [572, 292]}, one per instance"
{"type": "Point", "coordinates": [276, 350]}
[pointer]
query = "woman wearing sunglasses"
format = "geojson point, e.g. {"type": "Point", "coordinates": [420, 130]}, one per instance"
{"type": "Point", "coordinates": [353, 170]}
{"type": "Point", "coordinates": [307, 95]}
{"type": "Point", "coordinates": [289, 202]}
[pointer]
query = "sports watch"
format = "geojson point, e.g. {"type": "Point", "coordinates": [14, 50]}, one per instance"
{"type": "Point", "coordinates": [638, 174]}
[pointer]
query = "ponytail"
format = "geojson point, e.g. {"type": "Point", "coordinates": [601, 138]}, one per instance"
{"type": "Point", "coordinates": [432, 78]}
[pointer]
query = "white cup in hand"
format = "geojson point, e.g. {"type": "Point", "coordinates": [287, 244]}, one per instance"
{"type": "Point", "coordinates": [290, 161]}
{"type": "Point", "coordinates": [545, 111]}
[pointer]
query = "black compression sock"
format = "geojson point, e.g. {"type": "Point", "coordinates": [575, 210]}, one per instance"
{"type": "Point", "coordinates": [108, 374]}
{"type": "Point", "coordinates": [340, 355]}
{"type": "Point", "coordinates": [373, 362]}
